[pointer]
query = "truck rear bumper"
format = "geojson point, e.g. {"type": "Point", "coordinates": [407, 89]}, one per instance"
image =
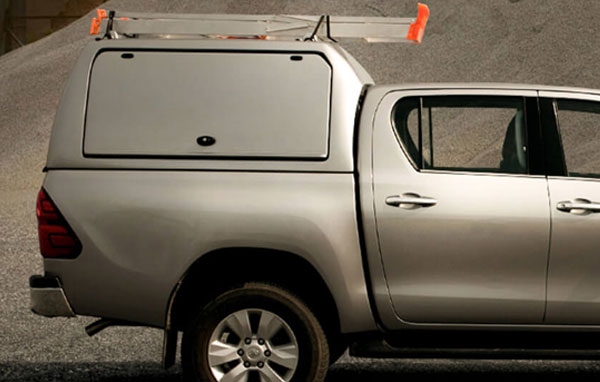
{"type": "Point", "coordinates": [48, 297]}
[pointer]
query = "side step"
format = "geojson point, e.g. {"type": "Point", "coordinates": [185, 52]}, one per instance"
{"type": "Point", "coordinates": [481, 345]}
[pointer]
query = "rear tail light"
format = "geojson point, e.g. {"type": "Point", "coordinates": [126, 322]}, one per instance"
{"type": "Point", "coordinates": [57, 239]}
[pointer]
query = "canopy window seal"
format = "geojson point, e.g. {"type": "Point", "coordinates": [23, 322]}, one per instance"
{"type": "Point", "coordinates": [120, 25]}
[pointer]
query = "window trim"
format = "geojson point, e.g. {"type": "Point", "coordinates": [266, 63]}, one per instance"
{"type": "Point", "coordinates": [535, 137]}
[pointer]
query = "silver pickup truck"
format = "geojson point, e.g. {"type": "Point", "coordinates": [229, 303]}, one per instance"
{"type": "Point", "coordinates": [263, 197]}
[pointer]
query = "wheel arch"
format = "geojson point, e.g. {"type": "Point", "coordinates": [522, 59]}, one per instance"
{"type": "Point", "coordinates": [212, 274]}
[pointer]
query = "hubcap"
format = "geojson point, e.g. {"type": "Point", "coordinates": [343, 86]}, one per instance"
{"type": "Point", "coordinates": [253, 345]}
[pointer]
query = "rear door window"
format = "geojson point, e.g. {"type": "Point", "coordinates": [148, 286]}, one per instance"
{"type": "Point", "coordinates": [464, 133]}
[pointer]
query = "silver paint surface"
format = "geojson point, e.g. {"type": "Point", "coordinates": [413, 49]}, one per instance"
{"type": "Point", "coordinates": [141, 230]}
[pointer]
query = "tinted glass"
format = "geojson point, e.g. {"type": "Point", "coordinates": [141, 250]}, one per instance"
{"type": "Point", "coordinates": [483, 134]}
{"type": "Point", "coordinates": [579, 123]}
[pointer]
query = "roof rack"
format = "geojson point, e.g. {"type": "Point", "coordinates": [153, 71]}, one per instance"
{"type": "Point", "coordinates": [265, 27]}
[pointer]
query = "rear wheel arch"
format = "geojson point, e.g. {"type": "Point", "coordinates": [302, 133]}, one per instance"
{"type": "Point", "coordinates": [224, 269]}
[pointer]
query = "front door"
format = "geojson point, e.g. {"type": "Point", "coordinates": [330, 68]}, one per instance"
{"type": "Point", "coordinates": [574, 268]}
{"type": "Point", "coordinates": [463, 227]}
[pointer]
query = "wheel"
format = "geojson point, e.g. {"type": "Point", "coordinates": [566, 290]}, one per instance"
{"type": "Point", "coordinates": [257, 332]}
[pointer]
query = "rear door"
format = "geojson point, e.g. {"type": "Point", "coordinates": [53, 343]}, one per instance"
{"type": "Point", "coordinates": [462, 213]}
{"type": "Point", "coordinates": [574, 266]}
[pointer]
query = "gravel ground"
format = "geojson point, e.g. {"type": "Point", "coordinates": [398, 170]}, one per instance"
{"type": "Point", "coordinates": [347, 370]}
{"type": "Point", "coordinates": [531, 41]}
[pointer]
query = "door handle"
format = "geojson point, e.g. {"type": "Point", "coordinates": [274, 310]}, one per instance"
{"type": "Point", "coordinates": [578, 206]}
{"type": "Point", "coordinates": [410, 201]}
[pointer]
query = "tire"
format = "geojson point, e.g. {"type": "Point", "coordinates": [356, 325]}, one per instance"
{"type": "Point", "coordinates": [257, 332]}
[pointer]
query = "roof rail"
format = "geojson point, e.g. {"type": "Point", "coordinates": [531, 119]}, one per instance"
{"type": "Point", "coordinates": [266, 27]}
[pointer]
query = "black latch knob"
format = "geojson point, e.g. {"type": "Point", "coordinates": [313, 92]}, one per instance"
{"type": "Point", "coordinates": [206, 140]}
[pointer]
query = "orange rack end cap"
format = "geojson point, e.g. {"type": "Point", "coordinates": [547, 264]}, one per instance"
{"type": "Point", "coordinates": [95, 26]}
{"type": "Point", "coordinates": [97, 21]}
{"type": "Point", "coordinates": [417, 28]}
{"type": "Point", "coordinates": [101, 14]}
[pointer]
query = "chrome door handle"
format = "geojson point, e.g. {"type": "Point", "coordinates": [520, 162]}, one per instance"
{"type": "Point", "coordinates": [578, 206]}
{"type": "Point", "coordinates": [409, 201]}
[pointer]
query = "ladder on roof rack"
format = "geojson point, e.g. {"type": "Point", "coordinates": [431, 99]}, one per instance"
{"type": "Point", "coordinates": [264, 27]}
